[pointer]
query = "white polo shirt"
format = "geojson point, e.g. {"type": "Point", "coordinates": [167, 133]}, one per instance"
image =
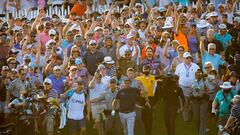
{"type": "Point", "coordinates": [186, 73]}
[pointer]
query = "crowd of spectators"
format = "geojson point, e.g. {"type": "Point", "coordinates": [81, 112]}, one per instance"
{"type": "Point", "coordinates": [113, 67]}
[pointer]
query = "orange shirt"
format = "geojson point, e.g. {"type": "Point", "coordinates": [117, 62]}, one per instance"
{"type": "Point", "coordinates": [79, 9]}
{"type": "Point", "coordinates": [143, 56]}
{"type": "Point", "coordinates": [182, 39]}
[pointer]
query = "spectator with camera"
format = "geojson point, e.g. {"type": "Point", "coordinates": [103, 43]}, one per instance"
{"type": "Point", "coordinates": [21, 108]}
{"type": "Point", "coordinates": [199, 97]}
{"type": "Point", "coordinates": [20, 83]}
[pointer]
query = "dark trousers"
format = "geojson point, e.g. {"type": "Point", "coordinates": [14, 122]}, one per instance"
{"type": "Point", "coordinates": [138, 122]}
{"type": "Point", "coordinates": [113, 125]}
{"type": "Point", "coordinates": [2, 118]}
{"type": "Point", "coordinates": [170, 113]}
{"type": "Point", "coordinates": [147, 116]}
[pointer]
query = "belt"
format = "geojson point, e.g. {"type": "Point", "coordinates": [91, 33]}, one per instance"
{"type": "Point", "coordinates": [126, 111]}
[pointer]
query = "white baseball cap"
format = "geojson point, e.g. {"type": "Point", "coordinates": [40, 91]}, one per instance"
{"type": "Point", "coordinates": [97, 28]}
{"type": "Point", "coordinates": [47, 80]}
{"type": "Point", "coordinates": [108, 60]}
{"type": "Point", "coordinates": [214, 14]}
{"type": "Point", "coordinates": [56, 68]}
{"type": "Point", "coordinates": [187, 54]}
{"type": "Point", "coordinates": [222, 26]}
{"type": "Point", "coordinates": [73, 67]}
{"type": "Point", "coordinates": [52, 32]}
{"type": "Point", "coordinates": [75, 27]}
{"type": "Point", "coordinates": [130, 35]}
{"type": "Point", "coordinates": [92, 42]}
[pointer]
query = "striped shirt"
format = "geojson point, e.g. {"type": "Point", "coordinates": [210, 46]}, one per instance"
{"type": "Point", "coordinates": [235, 112]}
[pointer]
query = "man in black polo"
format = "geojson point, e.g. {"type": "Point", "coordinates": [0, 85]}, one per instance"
{"type": "Point", "coordinates": [127, 99]}
{"type": "Point", "coordinates": [92, 57]}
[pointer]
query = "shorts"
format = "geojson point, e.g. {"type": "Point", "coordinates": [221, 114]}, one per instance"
{"type": "Point", "coordinates": [49, 122]}
{"type": "Point", "coordinates": [186, 91]}
{"type": "Point", "coordinates": [97, 112]}
{"type": "Point", "coordinates": [76, 125]}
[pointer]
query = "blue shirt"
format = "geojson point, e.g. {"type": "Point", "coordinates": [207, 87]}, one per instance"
{"type": "Point", "coordinates": [215, 59]}
{"type": "Point", "coordinates": [57, 84]}
{"type": "Point", "coordinates": [224, 102]}
{"type": "Point", "coordinates": [65, 44]}
{"type": "Point", "coordinates": [225, 40]}
{"type": "Point", "coordinates": [172, 54]}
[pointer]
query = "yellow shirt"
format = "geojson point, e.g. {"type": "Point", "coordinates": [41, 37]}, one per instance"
{"type": "Point", "coordinates": [149, 83]}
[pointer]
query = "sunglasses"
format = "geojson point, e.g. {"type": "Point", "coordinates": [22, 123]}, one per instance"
{"type": "Point", "coordinates": [189, 58]}
{"type": "Point", "coordinates": [75, 51]}
{"type": "Point", "coordinates": [47, 83]}
{"type": "Point", "coordinates": [93, 44]}
{"type": "Point", "coordinates": [74, 69]}
{"type": "Point", "coordinates": [207, 67]}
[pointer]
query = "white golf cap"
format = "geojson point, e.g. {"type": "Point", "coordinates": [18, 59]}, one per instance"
{"type": "Point", "coordinates": [138, 4]}
{"type": "Point", "coordinates": [108, 60]}
{"type": "Point", "coordinates": [97, 28]}
{"type": "Point", "coordinates": [202, 24]}
{"type": "Point", "coordinates": [167, 25]}
{"type": "Point", "coordinates": [52, 32]}
{"type": "Point", "coordinates": [222, 26]}
{"type": "Point", "coordinates": [130, 35]}
{"type": "Point", "coordinates": [187, 54]}
{"type": "Point", "coordinates": [57, 68]}
{"type": "Point", "coordinates": [47, 80]}
{"type": "Point", "coordinates": [73, 67]}
{"type": "Point", "coordinates": [213, 14]}
{"type": "Point", "coordinates": [92, 42]}
{"type": "Point", "coordinates": [237, 19]}
{"type": "Point", "coordinates": [75, 27]}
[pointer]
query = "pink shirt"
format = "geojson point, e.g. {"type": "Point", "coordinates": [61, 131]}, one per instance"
{"type": "Point", "coordinates": [44, 38]}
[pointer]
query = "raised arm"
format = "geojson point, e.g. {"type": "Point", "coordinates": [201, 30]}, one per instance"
{"type": "Point", "coordinates": [165, 49]}
{"type": "Point", "coordinates": [147, 7]}
{"type": "Point", "coordinates": [202, 48]}
{"type": "Point", "coordinates": [118, 51]}
{"type": "Point", "coordinates": [38, 19]}
{"type": "Point", "coordinates": [65, 59]}
{"type": "Point", "coordinates": [69, 22]}
{"type": "Point", "coordinates": [38, 52]}
{"type": "Point", "coordinates": [93, 81]}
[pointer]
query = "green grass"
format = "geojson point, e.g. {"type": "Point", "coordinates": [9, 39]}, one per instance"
{"type": "Point", "coordinates": [182, 128]}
